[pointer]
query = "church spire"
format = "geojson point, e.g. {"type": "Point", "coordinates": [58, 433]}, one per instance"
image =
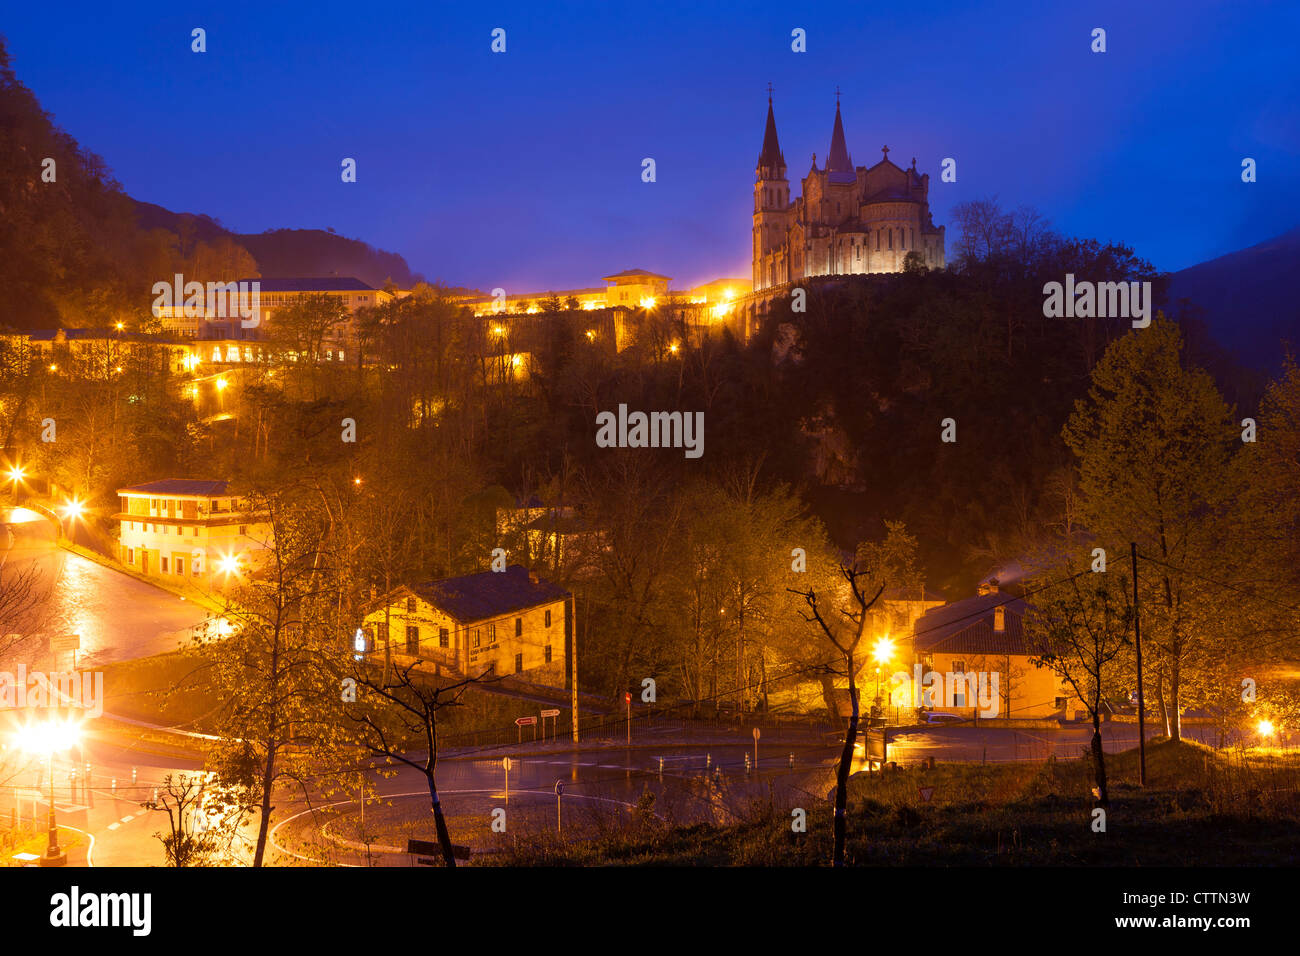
{"type": "Point", "coordinates": [771, 156]}
{"type": "Point", "coordinates": [839, 165]}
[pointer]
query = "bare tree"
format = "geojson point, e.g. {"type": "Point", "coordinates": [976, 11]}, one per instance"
{"type": "Point", "coordinates": [877, 565]}
{"type": "Point", "coordinates": [203, 819]}
{"type": "Point", "coordinates": [401, 709]}
{"type": "Point", "coordinates": [1079, 629]}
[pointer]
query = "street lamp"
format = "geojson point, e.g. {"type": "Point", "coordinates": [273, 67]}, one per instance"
{"type": "Point", "coordinates": [16, 475]}
{"type": "Point", "coordinates": [883, 652]}
{"type": "Point", "coordinates": [45, 739]}
{"type": "Point", "coordinates": [71, 512]}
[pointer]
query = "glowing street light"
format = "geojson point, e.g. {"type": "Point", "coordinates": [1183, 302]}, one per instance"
{"type": "Point", "coordinates": [221, 385]}
{"type": "Point", "coordinates": [73, 509]}
{"type": "Point", "coordinates": [1265, 728]}
{"type": "Point", "coordinates": [882, 653]}
{"type": "Point", "coordinates": [47, 738]}
{"type": "Point", "coordinates": [229, 564]}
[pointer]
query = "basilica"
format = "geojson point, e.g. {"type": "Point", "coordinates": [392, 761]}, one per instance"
{"type": "Point", "coordinates": [849, 220]}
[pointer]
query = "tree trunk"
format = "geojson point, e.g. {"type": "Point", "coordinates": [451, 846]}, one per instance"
{"type": "Point", "coordinates": [440, 824]}
{"type": "Point", "coordinates": [1099, 762]}
{"type": "Point", "coordinates": [1174, 720]}
{"type": "Point", "coordinates": [263, 826]}
{"type": "Point", "coordinates": [842, 775]}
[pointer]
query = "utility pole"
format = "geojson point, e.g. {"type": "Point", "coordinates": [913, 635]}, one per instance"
{"type": "Point", "coordinates": [573, 662]}
{"type": "Point", "coordinates": [1137, 640]}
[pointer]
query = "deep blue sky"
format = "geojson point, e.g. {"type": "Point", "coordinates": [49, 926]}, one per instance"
{"type": "Point", "coordinates": [523, 170]}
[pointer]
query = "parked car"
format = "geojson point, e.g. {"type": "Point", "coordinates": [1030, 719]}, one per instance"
{"type": "Point", "coordinates": [938, 718]}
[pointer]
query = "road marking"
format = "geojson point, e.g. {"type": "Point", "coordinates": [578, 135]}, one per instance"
{"type": "Point", "coordinates": [129, 816]}
{"type": "Point", "coordinates": [114, 826]}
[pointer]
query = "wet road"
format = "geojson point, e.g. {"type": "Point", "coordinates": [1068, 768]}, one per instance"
{"type": "Point", "coordinates": [117, 616]}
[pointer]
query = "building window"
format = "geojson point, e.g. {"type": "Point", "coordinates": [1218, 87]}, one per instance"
{"type": "Point", "coordinates": [412, 639]}
{"type": "Point", "coordinates": [519, 663]}
{"type": "Point", "coordinates": [519, 627]}
{"type": "Point", "coordinates": [548, 653]}
{"type": "Point", "coordinates": [194, 532]}
{"type": "Point", "coordinates": [243, 529]}
{"type": "Point", "coordinates": [130, 555]}
{"type": "Point", "coordinates": [444, 639]}
{"type": "Point", "coordinates": [410, 605]}
{"type": "Point", "coordinates": [548, 618]}
{"type": "Point", "coordinates": [164, 565]}
{"type": "Point", "coordinates": [492, 632]}
{"type": "Point", "coordinates": [478, 631]}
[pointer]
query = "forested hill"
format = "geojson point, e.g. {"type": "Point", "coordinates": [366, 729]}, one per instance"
{"type": "Point", "coordinates": [290, 252]}
{"type": "Point", "coordinates": [1247, 299]}
{"type": "Point", "coordinates": [76, 250]}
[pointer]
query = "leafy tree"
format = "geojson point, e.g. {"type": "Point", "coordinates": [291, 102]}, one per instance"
{"type": "Point", "coordinates": [1154, 443]}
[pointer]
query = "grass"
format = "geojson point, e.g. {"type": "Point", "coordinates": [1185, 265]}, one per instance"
{"type": "Point", "coordinates": [1200, 807]}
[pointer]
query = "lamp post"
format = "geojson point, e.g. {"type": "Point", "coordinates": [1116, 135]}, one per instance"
{"type": "Point", "coordinates": [16, 475]}
{"type": "Point", "coordinates": [882, 653]}
{"type": "Point", "coordinates": [46, 739]}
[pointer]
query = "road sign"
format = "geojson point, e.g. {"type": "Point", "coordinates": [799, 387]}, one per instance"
{"type": "Point", "coordinates": [505, 763]}
{"type": "Point", "coordinates": [627, 697]}
{"type": "Point", "coordinates": [65, 642]}
{"type": "Point", "coordinates": [756, 733]}
{"type": "Point", "coordinates": [926, 793]}
{"type": "Point", "coordinates": [559, 787]}
{"type": "Point", "coordinates": [877, 749]}
{"type": "Point", "coordinates": [525, 721]}
{"type": "Point", "coordinates": [551, 713]}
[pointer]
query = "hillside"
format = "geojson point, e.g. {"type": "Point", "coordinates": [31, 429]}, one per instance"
{"type": "Point", "coordinates": [1246, 299]}
{"type": "Point", "coordinates": [76, 250]}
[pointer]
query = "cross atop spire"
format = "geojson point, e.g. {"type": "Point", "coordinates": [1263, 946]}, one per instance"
{"type": "Point", "coordinates": [837, 96]}
{"type": "Point", "coordinates": [885, 150]}
{"type": "Point", "coordinates": [769, 94]}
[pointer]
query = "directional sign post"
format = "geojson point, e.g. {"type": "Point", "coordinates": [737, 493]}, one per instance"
{"type": "Point", "coordinates": [522, 722]}
{"type": "Point", "coordinates": [757, 734]}
{"type": "Point", "coordinates": [559, 793]}
{"type": "Point", "coordinates": [551, 714]}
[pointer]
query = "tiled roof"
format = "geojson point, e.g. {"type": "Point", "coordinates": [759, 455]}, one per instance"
{"type": "Point", "coordinates": [634, 273]}
{"type": "Point", "coordinates": [966, 627]}
{"type": "Point", "coordinates": [178, 486]}
{"type": "Point", "coordinates": [321, 284]}
{"type": "Point", "coordinates": [477, 597]}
